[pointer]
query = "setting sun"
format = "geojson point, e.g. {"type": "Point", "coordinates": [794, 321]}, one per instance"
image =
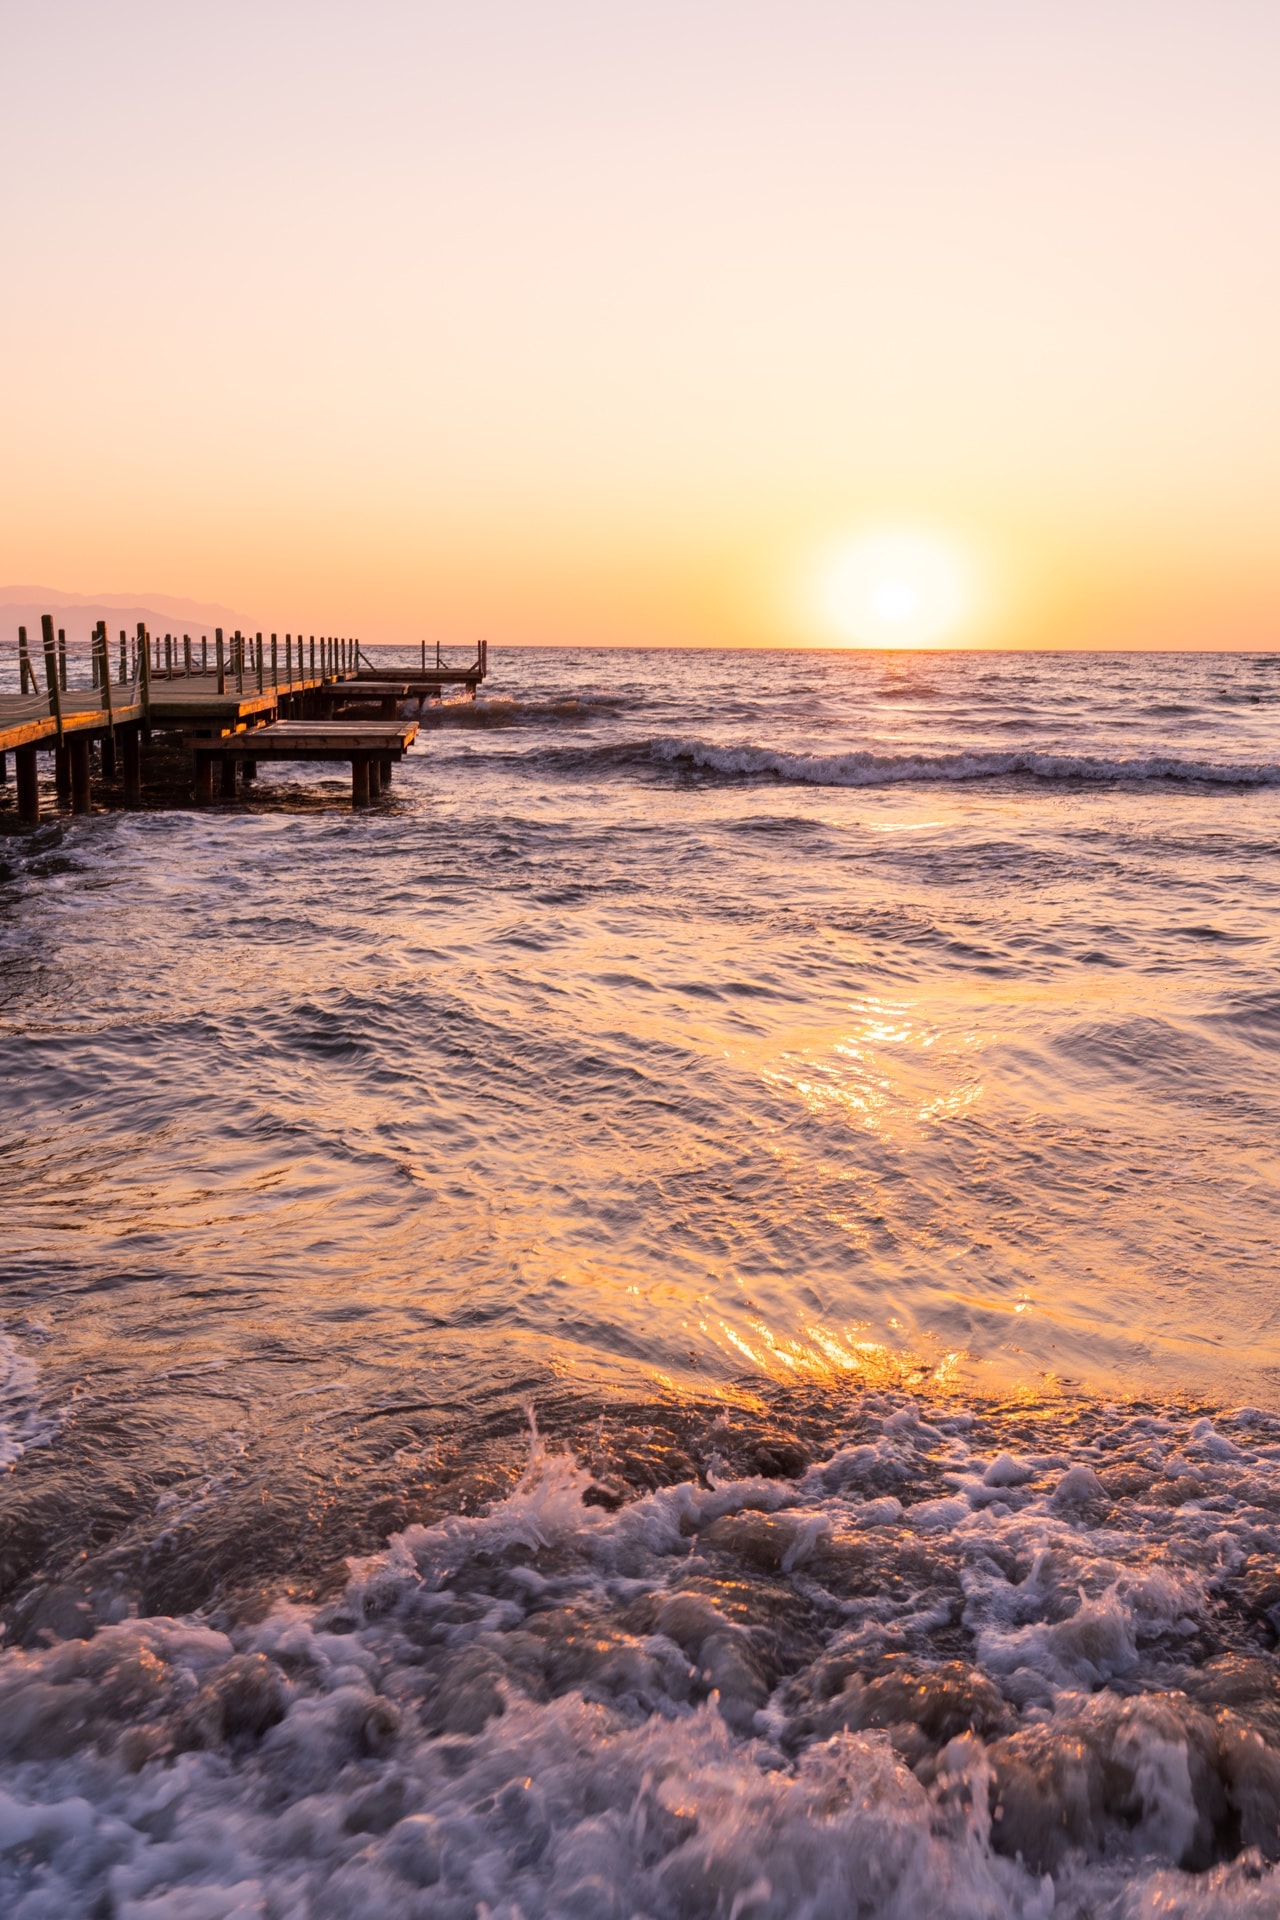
{"type": "Point", "coordinates": [896, 587]}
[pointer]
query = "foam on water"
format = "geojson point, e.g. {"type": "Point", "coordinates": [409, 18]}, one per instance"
{"type": "Point", "coordinates": [23, 1424]}
{"type": "Point", "coordinates": [941, 1670]}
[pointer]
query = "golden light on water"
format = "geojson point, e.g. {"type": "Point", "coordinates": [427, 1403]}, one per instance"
{"type": "Point", "coordinates": [890, 1071]}
{"type": "Point", "coordinates": [897, 587]}
{"type": "Point", "coordinates": [835, 1356]}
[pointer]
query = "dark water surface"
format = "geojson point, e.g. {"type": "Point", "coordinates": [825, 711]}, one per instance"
{"type": "Point", "coordinates": [840, 1095]}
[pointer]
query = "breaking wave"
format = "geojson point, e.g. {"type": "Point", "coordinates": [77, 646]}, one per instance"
{"type": "Point", "coordinates": [864, 769]}
{"type": "Point", "coordinates": [989, 1665]}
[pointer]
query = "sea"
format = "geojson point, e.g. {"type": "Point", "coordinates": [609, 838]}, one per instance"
{"type": "Point", "coordinates": [677, 1322]}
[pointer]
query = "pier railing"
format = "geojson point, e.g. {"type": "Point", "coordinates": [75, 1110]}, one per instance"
{"type": "Point", "coordinates": [241, 663]}
{"type": "Point", "coordinates": [58, 688]}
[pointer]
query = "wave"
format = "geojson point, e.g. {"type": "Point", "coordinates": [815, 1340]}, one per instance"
{"type": "Point", "coordinates": [987, 1665]}
{"type": "Point", "coordinates": [866, 769]}
{"type": "Point", "coordinates": [505, 711]}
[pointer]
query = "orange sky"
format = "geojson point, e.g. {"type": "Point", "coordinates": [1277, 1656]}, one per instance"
{"type": "Point", "coordinates": [583, 323]}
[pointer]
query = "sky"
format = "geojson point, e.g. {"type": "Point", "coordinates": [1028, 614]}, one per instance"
{"type": "Point", "coordinates": [570, 323]}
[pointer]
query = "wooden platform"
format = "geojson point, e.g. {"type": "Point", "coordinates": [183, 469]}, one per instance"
{"type": "Point", "coordinates": [112, 715]}
{"type": "Point", "coordinates": [371, 746]}
{"type": "Point", "coordinates": [236, 704]}
{"type": "Point", "coordinates": [27, 719]}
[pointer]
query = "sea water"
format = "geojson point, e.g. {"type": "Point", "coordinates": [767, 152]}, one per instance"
{"type": "Point", "coordinates": [677, 1321]}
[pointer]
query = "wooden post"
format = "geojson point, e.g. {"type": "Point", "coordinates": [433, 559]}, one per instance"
{"type": "Point", "coordinates": [275, 664]}
{"type": "Point", "coordinates": [79, 756]}
{"type": "Point", "coordinates": [100, 640]}
{"type": "Point", "coordinates": [28, 786]}
{"type": "Point", "coordinates": [424, 656]}
{"type": "Point", "coordinates": [131, 742]}
{"type": "Point", "coordinates": [186, 654]}
{"type": "Point", "coordinates": [124, 660]}
{"type": "Point", "coordinates": [222, 672]}
{"type": "Point", "coordinates": [4, 769]}
{"type": "Point", "coordinates": [238, 649]}
{"type": "Point", "coordinates": [144, 677]}
{"type": "Point", "coordinates": [312, 674]}
{"type": "Point", "coordinates": [204, 777]}
{"type": "Point", "coordinates": [359, 780]}
{"type": "Point", "coordinates": [259, 663]}
{"type": "Point", "coordinates": [248, 770]}
{"type": "Point", "coordinates": [51, 670]}
{"type": "Point", "coordinates": [204, 653]}
{"type": "Point", "coordinates": [168, 656]}
{"type": "Point", "coordinates": [25, 669]}
{"type": "Point", "coordinates": [288, 659]}
{"type": "Point", "coordinates": [228, 776]}
{"type": "Point", "coordinates": [62, 658]}
{"type": "Point", "coordinates": [386, 774]}
{"type": "Point", "coordinates": [109, 754]}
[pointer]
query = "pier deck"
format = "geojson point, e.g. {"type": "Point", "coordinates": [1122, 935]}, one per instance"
{"type": "Point", "coordinates": [233, 704]}
{"type": "Point", "coordinates": [26, 719]}
{"type": "Point", "coordinates": [371, 746]}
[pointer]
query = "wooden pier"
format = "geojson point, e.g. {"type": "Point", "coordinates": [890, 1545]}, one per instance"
{"type": "Point", "coordinates": [231, 705]}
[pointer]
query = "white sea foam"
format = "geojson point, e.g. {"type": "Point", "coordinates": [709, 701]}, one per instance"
{"type": "Point", "coordinates": [866, 769]}
{"type": "Point", "coordinates": [23, 1424]}
{"type": "Point", "coordinates": [736, 1701]}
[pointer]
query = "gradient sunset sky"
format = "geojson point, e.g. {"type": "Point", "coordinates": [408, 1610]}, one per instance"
{"type": "Point", "coordinates": [616, 323]}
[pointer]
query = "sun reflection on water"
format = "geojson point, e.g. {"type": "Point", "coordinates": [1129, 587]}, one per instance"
{"type": "Point", "coordinates": [891, 1069]}
{"type": "Point", "coordinates": [827, 1355]}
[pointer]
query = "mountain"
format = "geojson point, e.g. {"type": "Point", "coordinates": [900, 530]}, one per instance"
{"type": "Point", "coordinates": [79, 613]}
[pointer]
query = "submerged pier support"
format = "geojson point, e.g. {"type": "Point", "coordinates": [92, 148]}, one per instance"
{"type": "Point", "coordinates": [78, 752]}
{"type": "Point", "coordinates": [28, 785]}
{"type": "Point", "coordinates": [131, 753]}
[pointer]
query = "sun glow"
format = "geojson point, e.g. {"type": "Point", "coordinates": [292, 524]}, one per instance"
{"type": "Point", "coordinates": [896, 587]}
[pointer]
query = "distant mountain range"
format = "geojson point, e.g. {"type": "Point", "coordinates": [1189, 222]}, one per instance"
{"type": "Point", "coordinates": [79, 613]}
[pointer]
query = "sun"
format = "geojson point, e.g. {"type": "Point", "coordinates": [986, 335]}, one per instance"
{"type": "Point", "coordinates": [896, 587]}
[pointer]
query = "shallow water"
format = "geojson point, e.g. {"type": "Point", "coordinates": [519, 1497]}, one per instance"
{"type": "Point", "coordinates": [730, 1056]}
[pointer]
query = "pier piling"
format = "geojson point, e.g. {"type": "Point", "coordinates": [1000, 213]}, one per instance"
{"type": "Point", "coordinates": [78, 753]}
{"type": "Point", "coordinates": [28, 786]}
{"type": "Point", "coordinates": [131, 745]}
